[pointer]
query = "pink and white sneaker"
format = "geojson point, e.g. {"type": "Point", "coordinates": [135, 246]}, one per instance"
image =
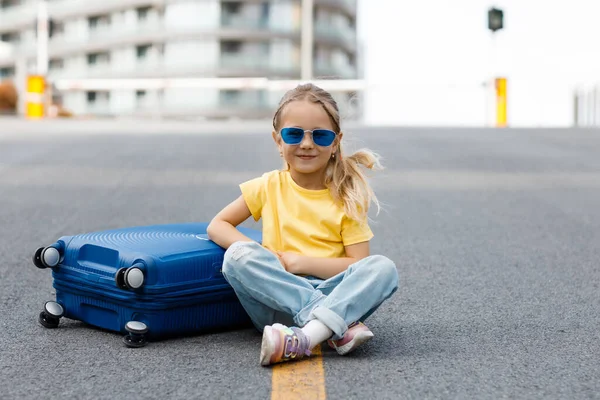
{"type": "Point", "coordinates": [357, 334]}
{"type": "Point", "coordinates": [280, 344]}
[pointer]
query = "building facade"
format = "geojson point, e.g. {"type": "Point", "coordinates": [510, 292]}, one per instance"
{"type": "Point", "coordinates": [179, 38]}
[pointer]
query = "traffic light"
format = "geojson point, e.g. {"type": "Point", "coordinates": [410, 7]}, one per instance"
{"type": "Point", "coordinates": [495, 19]}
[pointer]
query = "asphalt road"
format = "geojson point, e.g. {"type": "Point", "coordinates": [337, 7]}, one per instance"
{"type": "Point", "coordinates": [496, 235]}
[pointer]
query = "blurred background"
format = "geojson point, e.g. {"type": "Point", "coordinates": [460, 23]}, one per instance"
{"type": "Point", "coordinates": [427, 62]}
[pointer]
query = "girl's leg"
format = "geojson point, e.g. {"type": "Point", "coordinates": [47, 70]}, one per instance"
{"type": "Point", "coordinates": [260, 314]}
{"type": "Point", "coordinates": [266, 290]}
{"type": "Point", "coordinates": [356, 293]}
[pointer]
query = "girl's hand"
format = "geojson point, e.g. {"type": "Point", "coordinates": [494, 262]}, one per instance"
{"type": "Point", "coordinates": [292, 262]}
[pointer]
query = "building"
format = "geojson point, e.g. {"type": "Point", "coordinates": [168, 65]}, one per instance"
{"type": "Point", "coordinates": [179, 38]}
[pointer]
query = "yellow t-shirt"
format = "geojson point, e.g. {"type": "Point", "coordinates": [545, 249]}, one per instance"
{"type": "Point", "coordinates": [299, 220]}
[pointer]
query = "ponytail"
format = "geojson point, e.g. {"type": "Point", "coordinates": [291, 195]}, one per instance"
{"type": "Point", "coordinates": [348, 182]}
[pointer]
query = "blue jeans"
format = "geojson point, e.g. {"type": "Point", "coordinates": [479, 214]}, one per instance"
{"type": "Point", "coordinates": [270, 294]}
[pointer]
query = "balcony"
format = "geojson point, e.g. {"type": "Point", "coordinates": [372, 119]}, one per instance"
{"type": "Point", "coordinates": [336, 36]}
{"type": "Point", "coordinates": [244, 61]}
{"type": "Point", "coordinates": [243, 98]}
{"type": "Point", "coordinates": [108, 37]}
{"type": "Point", "coordinates": [227, 65]}
{"type": "Point", "coordinates": [23, 16]}
{"type": "Point", "coordinates": [328, 71]}
{"type": "Point", "coordinates": [240, 22]}
{"type": "Point", "coordinates": [243, 28]}
{"type": "Point", "coordinates": [17, 17]}
{"type": "Point", "coordinates": [349, 7]}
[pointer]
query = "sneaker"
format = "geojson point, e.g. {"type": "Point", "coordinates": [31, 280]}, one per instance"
{"type": "Point", "coordinates": [357, 334]}
{"type": "Point", "coordinates": [280, 343]}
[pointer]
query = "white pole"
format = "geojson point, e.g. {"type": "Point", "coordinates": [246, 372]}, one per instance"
{"type": "Point", "coordinates": [42, 38]}
{"type": "Point", "coordinates": [307, 39]}
{"type": "Point", "coordinates": [21, 82]}
{"type": "Point", "coordinates": [491, 109]}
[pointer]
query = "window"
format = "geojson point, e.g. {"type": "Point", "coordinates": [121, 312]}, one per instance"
{"type": "Point", "coordinates": [93, 22]}
{"type": "Point", "coordinates": [231, 46]}
{"type": "Point", "coordinates": [57, 28]}
{"type": "Point", "coordinates": [352, 59]}
{"type": "Point", "coordinates": [142, 13]}
{"type": "Point", "coordinates": [10, 3]}
{"type": "Point", "coordinates": [351, 23]}
{"type": "Point", "coordinates": [262, 98]}
{"type": "Point", "coordinates": [263, 49]}
{"type": "Point", "coordinates": [97, 97]}
{"type": "Point", "coordinates": [11, 37]}
{"type": "Point", "coordinates": [98, 21]}
{"type": "Point", "coordinates": [142, 51]}
{"type": "Point", "coordinates": [230, 97]}
{"type": "Point", "coordinates": [56, 64]}
{"type": "Point", "coordinates": [98, 58]}
{"type": "Point", "coordinates": [7, 72]}
{"type": "Point", "coordinates": [265, 11]}
{"type": "Point", "coordinates": [91, 97]}
{"type": "Point", "coordinates": [233, 7]}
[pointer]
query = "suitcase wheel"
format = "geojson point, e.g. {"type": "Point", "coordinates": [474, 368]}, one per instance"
{"type": "Point", "coordinates": [46, 257]}
{"type": "Point", "coordinates": [136, 337]}
{"type": "Point", "coordinates": [134, 278]}
{"type": "Point", "coordinates": [50, 317]}
{"type": "Point", "coordinates": [129, 278]}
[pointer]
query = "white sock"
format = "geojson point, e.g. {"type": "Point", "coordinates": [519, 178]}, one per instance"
{"type": "Point", "coordinates": [317, 332]}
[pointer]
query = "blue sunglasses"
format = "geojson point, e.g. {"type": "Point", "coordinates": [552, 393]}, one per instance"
{"type": "Point", "coordinates": [321, 137]}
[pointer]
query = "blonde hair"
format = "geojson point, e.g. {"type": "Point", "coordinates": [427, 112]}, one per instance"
{"type": "Point", "coordinates": [344, 177]}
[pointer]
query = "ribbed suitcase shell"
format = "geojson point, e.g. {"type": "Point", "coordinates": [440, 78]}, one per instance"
{"type": "Point", "coordinates": [184, 291]}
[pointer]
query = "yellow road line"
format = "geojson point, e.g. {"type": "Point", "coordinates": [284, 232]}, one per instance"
{"type": "Point", "coordinates": [302, 379]}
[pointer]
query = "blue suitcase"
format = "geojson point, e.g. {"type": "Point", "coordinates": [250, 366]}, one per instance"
{"type": "Point", "coordinates": [146, 282]}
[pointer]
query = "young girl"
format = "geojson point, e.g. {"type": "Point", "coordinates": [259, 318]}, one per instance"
{"type": "Point", "coordinates": [313, 271]}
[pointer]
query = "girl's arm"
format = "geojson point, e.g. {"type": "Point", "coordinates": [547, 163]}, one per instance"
{"type": "Point", "coordinates": [324, 268]}
{"type": "Point", "coordinates": [222, 229]}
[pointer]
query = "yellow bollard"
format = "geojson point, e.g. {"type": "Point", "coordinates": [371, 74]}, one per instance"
{"type": "Point", "coordinates": [36, 85]}
{"type": "Point", "coordinates": [501, 100]}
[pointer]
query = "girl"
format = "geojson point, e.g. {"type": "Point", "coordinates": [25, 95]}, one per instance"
{"type": "Point", "coordinates": [313, 271]}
